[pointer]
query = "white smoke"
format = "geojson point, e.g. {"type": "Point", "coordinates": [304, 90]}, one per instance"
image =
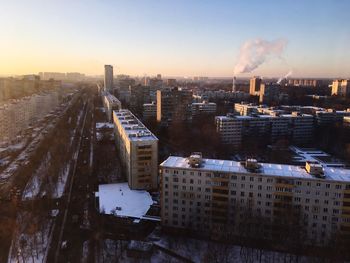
{"type": "Point", "coordinates": [285, 76]}
{"type": "Point", "coordinates": [255, 52]}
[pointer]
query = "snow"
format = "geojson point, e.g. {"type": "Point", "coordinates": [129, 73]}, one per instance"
{"type": "Point", "coordinates": [30, 243]}
{"type": "Point", "coordinates": [120, 200]}
{"type": "Point", "coordinates": [104, 125]}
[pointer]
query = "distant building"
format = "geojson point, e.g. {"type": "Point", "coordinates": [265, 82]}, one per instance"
{"type": "Point", "coordinates": [110, 104]}
{"type": "Point", "coordinates": [245, 109]}
{"type": "Point", "coordinates": [108, 78]}
{"type": "Point", "coordinates": [341, 87]}
{"type": "Point", "coordinates": [295, 127]}
{"type": "Point", "coordinates": [346, 121]}
{"type": "Point", "coordinates": [138, 151]}
{"type": "Point", "coordinates": [254, 87]}
{"type": "Point", "coordinates": [171, 82]}
{"type": "Point", "coordinates": [149, 111]}
{"type": "Point", "coordinates": [203, 108]}
{"type": "Point", "coordinates": [271, 93]}
{"type": "Point", "coordinates": [173, 105]}
{"type": "Point", "coordinates": [304, 82]}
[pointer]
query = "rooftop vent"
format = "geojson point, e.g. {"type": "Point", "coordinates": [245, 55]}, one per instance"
{"type": "Point", "coordinates": [195, 160]}
{"type": "Point", "coordinates": [314, 168]}
{"type": "Point", "coordinates": [252, 165]}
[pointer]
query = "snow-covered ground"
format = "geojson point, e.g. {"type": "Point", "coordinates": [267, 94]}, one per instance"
{"type": "Point", "coordinates": [31, 239]}
{"type": "Point", "coordinates": [120, 200]}
{"type": "Point", "coordinates": [104, 125]}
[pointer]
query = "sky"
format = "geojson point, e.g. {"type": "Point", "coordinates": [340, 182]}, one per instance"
{"type": "Point", "coordinates": [173, 38]}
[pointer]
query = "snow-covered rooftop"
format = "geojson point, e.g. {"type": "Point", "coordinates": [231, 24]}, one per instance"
{"type": "Point", "coordinates": [133, 127]}
{"type": "Point", "coordinates": [282, 170]}
{"type": "Point", "coordinates": [120, 200]}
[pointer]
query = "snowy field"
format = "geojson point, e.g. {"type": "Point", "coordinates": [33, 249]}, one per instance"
{"type": "Point", "coordinates": [120, 200]}
{"type": "Point", "coordinates": [31, 239]}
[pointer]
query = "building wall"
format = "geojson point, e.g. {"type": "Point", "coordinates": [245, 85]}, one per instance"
{"type": "Point", "coordinates": [139, 155]}
{"type": "Point", "coordinates": [207, 201]}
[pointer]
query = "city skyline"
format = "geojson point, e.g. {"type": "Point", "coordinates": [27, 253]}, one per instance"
{"type": "Point", "coordinates": [182, 39]}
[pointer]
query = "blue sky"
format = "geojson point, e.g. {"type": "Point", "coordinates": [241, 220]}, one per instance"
{"type": "Point", "coordinates": [175, 38]}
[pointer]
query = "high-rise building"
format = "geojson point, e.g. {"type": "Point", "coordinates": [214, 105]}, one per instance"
{"type": "Point", "coordinates": [254, 87]}
{"type": "Point", "coordinates": [214, 197]}
{"type": "Point", "coordinates": [138, 150]}
{"type": "Point", "coordinates": [173, 105]}
{"type": "Point", "coordinates": [108, 80]}
{"type": "Point", "coordinates": [341, 87]}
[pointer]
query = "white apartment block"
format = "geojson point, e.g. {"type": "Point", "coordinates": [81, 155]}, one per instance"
{"type": "Point", "coordinates": [110, 104]}
{"type": "Point", "coordinates": [297, 127]}
{"type": "Point", "coordinates": [138, 151]}
{"type": "Point", "coordinates": [17, 115]}
{"type": "Point", "coordinates": [245, 109]}
{"type": "Point", "coordinates": [204, 107]}
{"type": "Point", "coordinates": [149, 110]}
{"type": "Point", "coordinates": [211, 196]}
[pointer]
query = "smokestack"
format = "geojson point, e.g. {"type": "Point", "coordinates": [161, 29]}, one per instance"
{"type": "Point", "coordinates": [234, 84]}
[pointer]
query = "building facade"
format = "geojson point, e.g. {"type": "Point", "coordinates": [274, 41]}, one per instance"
{"type": "Point", "coordinates": [173, 105]}
{"type": "Point", "coordinates": [295, 127]}
{"type": "Point", "coordinates": [138, 151]}
{"type": "Point", "coordinates": [203, 108]}
{"type": "Point", "coordinates": [341, 87]}
{"type": "Point", "coordinates": [218, 196]}
{"type": "Point", "coordinates": [108, 78]}
{"type": "Point", "coordinates": [110, 104]}
{"type": "Point", "coordinates": [254, 86]}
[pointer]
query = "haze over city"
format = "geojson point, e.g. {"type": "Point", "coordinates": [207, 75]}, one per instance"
{"type": "Point", "coordinates": [174, 131]}
{"type": "Point", "coordinates": [177, 38]}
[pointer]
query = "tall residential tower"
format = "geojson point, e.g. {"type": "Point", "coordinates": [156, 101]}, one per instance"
{"type": "Point", "coordinates": [108, 85]}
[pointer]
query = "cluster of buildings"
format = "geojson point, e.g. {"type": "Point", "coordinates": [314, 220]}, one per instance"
{"type": "Point", "coordinates": [212, 197]}
{"type": "Point", "coordinates": [69, 76]}
{"type": "Point", "coordinates": [16, 115]}
{"type": "Point", "coordinates": [295, 123]}
{"type": "Point", "coordinates": [15, 88]}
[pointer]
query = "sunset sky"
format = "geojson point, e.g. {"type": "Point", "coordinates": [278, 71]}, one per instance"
{"type": "Point", "coordinates": [174, 38]}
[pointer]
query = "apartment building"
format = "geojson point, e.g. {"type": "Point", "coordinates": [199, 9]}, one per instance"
{"type": "Point", "coordinates": [173, 104]}
{"type": "Point", "coordinates": [341, 87]}
{"type": "Point", "coordinates": [149, 110]}
{"type": "Point", "coordinates": [203, 108]}
{"type": "Point", "coordinates": [295, 127]}
{"type": "Point", "coordinates": [330, 116]}
{"type": "Point", "coordinates": [17, 114]}
{"type": "Point", "coordinates": [213, 196]}
{"type": "Point", "coordinates": [254, 86]}
{"type": "Point", "coordinates": [138, 151]}
{"type": "Point", "coordinates": [245, 109]}
{"type": "Point", "coordinates": [110, 104]}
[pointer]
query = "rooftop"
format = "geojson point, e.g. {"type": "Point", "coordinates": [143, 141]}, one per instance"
{"type": "Point", "coordinates": [133, 127]}
{"type": "Point", "coordinates": [120, 200]}
{"type": "Point", "coordinates": [282, 170]}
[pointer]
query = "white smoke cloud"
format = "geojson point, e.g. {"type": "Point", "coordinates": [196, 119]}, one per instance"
{"type": "Point", "coordinates": [285, 76]}
{"type": "Point", "coordinates": [255, 52]}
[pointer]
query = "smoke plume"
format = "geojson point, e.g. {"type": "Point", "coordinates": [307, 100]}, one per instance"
{"type": "Point", "coordinates": [255, 52]}
{"type": "Point", "coordinates": [285, 76]}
